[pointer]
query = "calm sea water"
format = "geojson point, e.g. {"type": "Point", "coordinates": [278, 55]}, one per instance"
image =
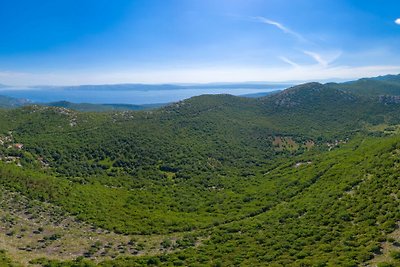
{"type": "Point", "coordinates": [121, 96]}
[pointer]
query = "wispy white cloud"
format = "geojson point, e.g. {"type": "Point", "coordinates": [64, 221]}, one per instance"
{"type": "Point", "coordinates": [397, 21]}
{"type": "Point", "coordinates": [290, 62]}
{"type": "Point", "coordinates": [317, 57]}
{"type": "Point", "coordinates": [280, 26]}
{"type": "Point", "coordinates": [323, 59]}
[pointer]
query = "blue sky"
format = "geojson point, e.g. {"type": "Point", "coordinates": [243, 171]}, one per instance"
{"type": "Point", "coordinates": [165, 41]}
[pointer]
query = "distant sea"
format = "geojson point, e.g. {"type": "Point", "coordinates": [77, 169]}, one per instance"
{"type": "Point", "coordinates": [138, 97]}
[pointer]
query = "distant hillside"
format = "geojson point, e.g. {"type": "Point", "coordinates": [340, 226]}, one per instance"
{"type": "Point", "coordinates": [388, 78]}
{"type": "Point", "coordinates": [258, 95]}
{"type": "Point", "coordinates": [87, 107]}
{"type": "Point", "coordinates": [10, 102]}
{"type": "Point", "coordinates": [372, 87]}
{"type": "Point", "coordinates": [317, 109]}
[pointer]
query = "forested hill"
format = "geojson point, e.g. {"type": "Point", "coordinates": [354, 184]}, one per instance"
{"type": "Point", "coordinates": [303, 177]}
{"type": "Point", "coordinates": [222, 127]}
{"type": "Point", "coordinates": [9, 102]}
{"type": "Point", "coordinates": [12, 103]}
{"type": "Point", "coordinates": [323, 110]}
{"type": "Point", "coordinates": [312, 109]}
{"type": "Point", "coordinates": [87, 107]}
{"type": "Point", "coordinates": [372, 87]}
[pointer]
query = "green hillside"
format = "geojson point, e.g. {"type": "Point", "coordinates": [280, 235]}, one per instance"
{"type": "Point", "coordinates": [12, 103]}
{"type": "Point", "coordinates": [373, 87]}
{"type": "Point", "coordinates": [304, 177]}
{"type": "Point", "coordinates": [87, 107]}
{"type": "Point", "coordinates": [9, 102]}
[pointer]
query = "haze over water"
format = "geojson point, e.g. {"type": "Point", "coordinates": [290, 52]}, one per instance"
{"type": "Point", "coordinates": [122, 96]}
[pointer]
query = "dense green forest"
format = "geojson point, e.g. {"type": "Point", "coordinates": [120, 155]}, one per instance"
{"type": "Point", "coordinates": [304, 177]}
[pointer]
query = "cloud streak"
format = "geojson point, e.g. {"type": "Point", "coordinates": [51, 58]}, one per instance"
{"type": "Point", "coordinates": [281, 27]}
{"type": "Point", "coordinates": [324, 59]}
{"type": "Point", "coordinates": [321, 59]}
{"type": "Point", "coordinates": [317, 57]}
{"type": "Point", "coordinates": [290, 62]}
{"type": "Point", "coordinates": [397, 21]}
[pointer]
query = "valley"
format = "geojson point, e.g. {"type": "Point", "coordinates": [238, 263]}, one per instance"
{"type": "Point", "coordinates": [304, 177]}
